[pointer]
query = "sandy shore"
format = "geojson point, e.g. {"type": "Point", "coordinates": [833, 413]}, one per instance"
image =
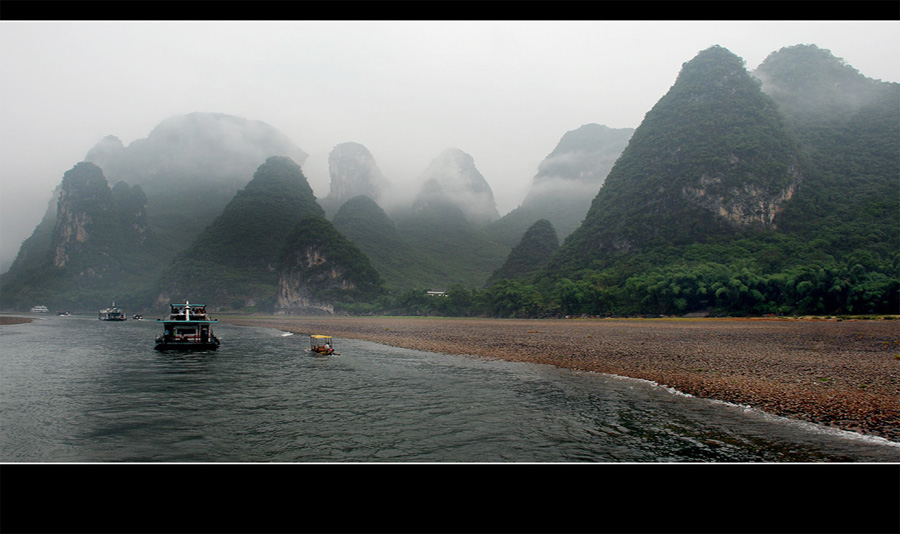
{"type": "Point", "coordinates": [838, 373]}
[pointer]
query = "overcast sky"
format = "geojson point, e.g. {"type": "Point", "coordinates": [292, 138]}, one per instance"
{"type": "Point", "coordinates": [504, 92]}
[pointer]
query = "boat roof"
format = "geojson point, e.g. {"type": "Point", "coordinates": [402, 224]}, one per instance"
{"type": "Point", "coordinates": [317, 336]}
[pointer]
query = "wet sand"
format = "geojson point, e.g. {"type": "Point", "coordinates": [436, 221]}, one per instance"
{"type": "Point", "coordinates": [844, 374]}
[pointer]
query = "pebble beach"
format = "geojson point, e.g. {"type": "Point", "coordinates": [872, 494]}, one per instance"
{"type": "Point", "coordinates": [837, 373]}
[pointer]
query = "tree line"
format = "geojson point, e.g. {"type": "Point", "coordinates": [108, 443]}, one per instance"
{"type": "Point", "coordinates": [859, 285]}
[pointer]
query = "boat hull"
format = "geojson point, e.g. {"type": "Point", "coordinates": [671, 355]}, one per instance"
{"type": "Point", "coordinates": [186, 345]}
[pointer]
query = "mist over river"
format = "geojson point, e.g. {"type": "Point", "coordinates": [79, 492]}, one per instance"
{"type": "Point", "coordinates": [75, 389]}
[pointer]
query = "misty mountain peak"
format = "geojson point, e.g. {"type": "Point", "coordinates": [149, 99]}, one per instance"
{"type": "Point", "coordinates": [810, 82]}
{"type": "Point", "coordinates": [453, 173]}
{"type": "Point", "coordinates": [208, 147]}
{"type": "Point", "coordinates": [567, 180]}
{"type": "Point", "coordinates": [583, 157]}
{"type": "Point", "coordinates": [353, 172]}
{"type": "Point", "coordinates": [107, 149]}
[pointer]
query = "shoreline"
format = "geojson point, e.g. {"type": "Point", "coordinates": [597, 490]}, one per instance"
{"type": "Point", "coordinates": [840, 374]}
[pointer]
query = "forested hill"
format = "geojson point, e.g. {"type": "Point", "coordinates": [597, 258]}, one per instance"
{"type": "Point", "coordinates": [367, 225]}
{"type": "Point", "coordinates": [849, 126]}
{"type": "Point", "coordinates": [734, 200]}
{"type": "Point", "coordinates": [531, 255]}
{"type": "Point", "coordinates": [233, 260]}
{"type": "Point", "coordinates": [711, 158]}
{"type": "Point", "coordinates": [92, 237]}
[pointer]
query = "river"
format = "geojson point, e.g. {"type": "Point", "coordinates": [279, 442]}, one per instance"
{"type": "Point", "coordinates": [75, 389]}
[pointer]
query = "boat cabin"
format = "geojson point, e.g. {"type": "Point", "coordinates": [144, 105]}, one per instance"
{"type": "Point", "coordinates": [188, 327]}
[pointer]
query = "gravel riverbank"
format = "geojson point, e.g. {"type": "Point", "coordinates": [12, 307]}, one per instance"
{"type": "Point", "coordinates": [838, 373]}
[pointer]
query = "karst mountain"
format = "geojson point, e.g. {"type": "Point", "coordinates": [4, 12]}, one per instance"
{"type": "Point", "coordinates": [353, 172]}
{"type": "Point", "coordinates": [764, 192]}
{"type": "Point", "coordinates": [234, 259]}
{"type": "Point", "coordinates": [567, 181]}
{"type": "Point", "coordinates": [712, 158]}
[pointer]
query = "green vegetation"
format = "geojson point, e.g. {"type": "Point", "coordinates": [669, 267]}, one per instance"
{"type": "Point", "coordinates": [643, 250]}
{"type": "Point", "coordinates": [530, 256]}
{"type": "Point", "coordinates": [446, 248]}
{"type": "Point", "coordinates": [330, 266]}
{"type": "Point", "coordinates": [362, 221]}
{"type": "Point", "coordinates": [233, 259]}
{"type": "Point", "coordinates": [95, 250]}
{"type": "Point", "coordinates": [737, 196]}
{"type": "Point", "coordinates": [736, 289]}
{"type": "Point", "coordinates": [713, 143]}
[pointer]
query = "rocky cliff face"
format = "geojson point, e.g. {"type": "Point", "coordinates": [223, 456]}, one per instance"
{"type": "Point", "coordinates": [319, 268]}
{"type": "Point", "coordinates": [84, 196]}
{"type": "Point", "coordinates": [745, 205]}
{"type": "Point", "coordinates": [297, 289]}
{"type": "Point", "coordinates": [96, 227]}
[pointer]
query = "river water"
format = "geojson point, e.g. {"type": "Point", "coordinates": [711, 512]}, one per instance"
{"type": "Point", "coordinates": [75, 389]}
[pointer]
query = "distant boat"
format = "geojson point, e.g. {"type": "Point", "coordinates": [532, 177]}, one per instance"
{"type": "Point", "coordinates": [63, 313]}
{"type": "Point", "coordinates": [112, 313]}
{"type": "Point", "coordinates": [320, 344]}
{"type": "Point", "coordinates": [188, 327]}
{"type": "Point", "coordinates": [137, 317]}
{"type": "Point", "coordinates": [40, 309]}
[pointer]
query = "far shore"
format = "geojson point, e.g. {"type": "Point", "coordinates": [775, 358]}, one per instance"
{"type": "Point", "coordinates": [839, 373]}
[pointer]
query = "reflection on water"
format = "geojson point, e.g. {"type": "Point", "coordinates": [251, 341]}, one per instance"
{"type": "Point", "coordinates": [76, 389]}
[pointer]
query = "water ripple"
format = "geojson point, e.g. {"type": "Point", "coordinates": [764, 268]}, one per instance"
{"type": "Point", "coordinates": [80, 390]}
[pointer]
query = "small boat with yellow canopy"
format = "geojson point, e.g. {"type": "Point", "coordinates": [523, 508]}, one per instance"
{"type": "Point", "coordinates": [322, 345]}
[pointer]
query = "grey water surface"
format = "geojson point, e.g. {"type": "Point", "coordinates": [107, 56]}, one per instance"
{"type": "Point", "coordinates": [75, 389]}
